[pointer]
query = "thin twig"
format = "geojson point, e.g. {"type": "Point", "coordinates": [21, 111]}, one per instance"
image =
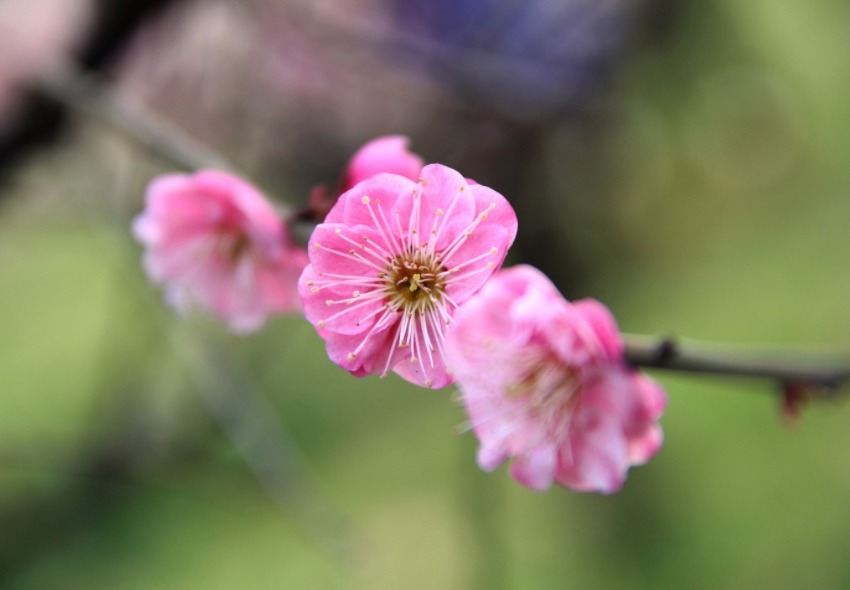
{"type": "Point", "coordinates": [249, 421]}
{"type": "Point", "coordinates": [87, 95]}
{"type": "Point", "coordinates": [825, 372]}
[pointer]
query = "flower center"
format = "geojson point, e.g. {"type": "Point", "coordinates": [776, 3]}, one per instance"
{"type": "Point", "coordinates": [550, 388]}
{"type": "Point", "coordinates": [413, 281]}
{"type": "Point", "coordinates": [231, 245]}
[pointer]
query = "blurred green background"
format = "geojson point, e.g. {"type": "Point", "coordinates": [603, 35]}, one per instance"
{"type": "Point", "coordinates": [701, 190]}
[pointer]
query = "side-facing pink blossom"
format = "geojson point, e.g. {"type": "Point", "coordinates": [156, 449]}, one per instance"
{"type": "Point", "coordinates": [214, 241]}
{"type": "Point", "coordinates": [391, 264]}
{"type": "Point", "coordinates": [544, 382]}
{"type": "Point", "coordinates": [387, 153]}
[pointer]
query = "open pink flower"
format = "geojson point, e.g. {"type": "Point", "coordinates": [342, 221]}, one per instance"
{"type": "Point", "coordinates": [544, 381]}
{"type": "Point", "coordinates": [391, 264]}
{"type": "Point", "coordinates": [214, 241]}
{"type": "Point", "coordinates": [387, 153]}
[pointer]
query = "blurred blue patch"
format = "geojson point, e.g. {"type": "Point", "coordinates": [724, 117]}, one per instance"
{"type": "Point", "coordinates": [524, 58]}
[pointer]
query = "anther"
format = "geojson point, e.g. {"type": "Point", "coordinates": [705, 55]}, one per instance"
{"type": "Point", "coordinates": [365, 200]}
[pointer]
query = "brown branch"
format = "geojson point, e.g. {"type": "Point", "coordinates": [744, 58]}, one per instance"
{"type": "Point", "coordinates": [824, 372]}
{"type": "Point", "coordinates": [86, 95]}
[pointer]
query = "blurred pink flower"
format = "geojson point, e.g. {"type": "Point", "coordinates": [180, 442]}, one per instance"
{"type": "Point", "coordinates": [544, 381]}
{"type": "Point", "coordinates": [391, 264]}
{"type": "Point", "coordinates": [388, 153]}
{"type": "Point", "coordinates": [214, 241]}
{"type": "Point", "coordinates": [36, 39]}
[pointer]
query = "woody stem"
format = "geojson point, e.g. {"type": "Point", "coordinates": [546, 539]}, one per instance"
{"type": "Point", "coordinates": [87, 95]}
{"type": "Point", "coordinates": [822, 371]}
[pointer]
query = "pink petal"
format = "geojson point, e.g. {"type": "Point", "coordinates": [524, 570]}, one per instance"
{"type": "Point", "coordinates": [374, 354]}
{"type": "Point", "coordinates": [444, 206]}
{"type": "Point", "coordinates": [380, 194]}
{"type": "Point", "coordinates": [502, 215]}
{"type": "Point", "coordinates": [598, 454]}
{"type": "Point", "coordinates": [489, 458]}
{"type": "Point", "coordinates": [488, 240]}
{"type": "Point", "coordinates": [428, 370]}
{"type": "Point", "coordinates": [344, 308]}
{"type": "Point", "coordinates": [604, 326]}
{"type": "Point", "coordinates": [644, 446]}
{"type": "Point", "coordinates": [383, 154]}
{"type": "Point", "coordinates": [536, 469]}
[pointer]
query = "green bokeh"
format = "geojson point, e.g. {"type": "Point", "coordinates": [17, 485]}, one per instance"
{"type": "Point", "coordinates": [731, 224]}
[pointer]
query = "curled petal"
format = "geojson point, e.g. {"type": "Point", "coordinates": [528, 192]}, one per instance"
{"type": "Point", "coordinates": [544, 382]}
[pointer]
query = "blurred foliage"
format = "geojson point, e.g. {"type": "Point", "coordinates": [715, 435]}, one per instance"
{"type": "Point", "coordinates": [704, 194]}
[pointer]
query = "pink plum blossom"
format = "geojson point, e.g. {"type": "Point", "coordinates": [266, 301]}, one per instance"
{"type": "Point", "coordinates": [544, 381]}
{"type": "Point", "coordinates": [215, 242]}
{"type": "Point", "coordinates": [36, 40]}
{"type": "Point", "coordinates": [391, 264]}
{"type": "Point", "coordinates": [388, 153]}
